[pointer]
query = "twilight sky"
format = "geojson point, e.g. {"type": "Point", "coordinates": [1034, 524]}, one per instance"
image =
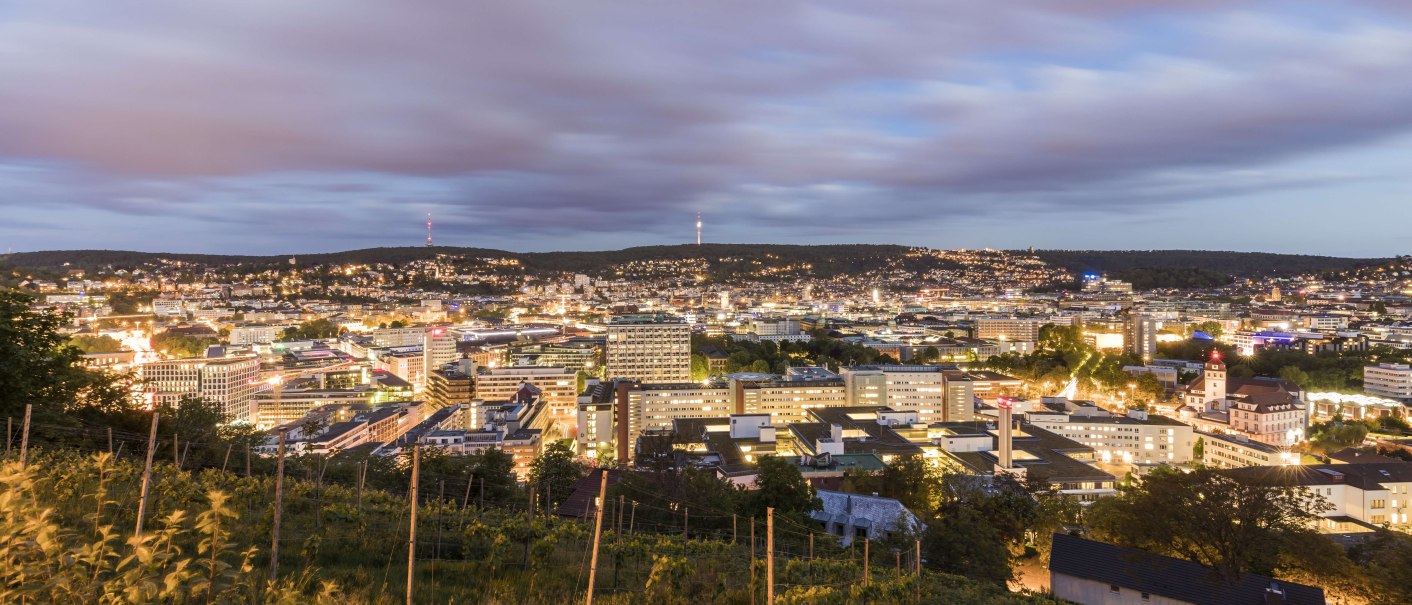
{"type": "Point", "coordinates": [276, 126]}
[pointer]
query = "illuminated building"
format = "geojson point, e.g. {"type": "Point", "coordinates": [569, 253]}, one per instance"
{"type": "Point", "coordinates": [1392, 380]}
{"type": "Point", "coordinates": [652, 349]}
{"type": "Point", "coordinates": [227, 382]}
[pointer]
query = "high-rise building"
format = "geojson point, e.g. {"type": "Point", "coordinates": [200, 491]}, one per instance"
{"type": "Point", "coordinates": [1140, 335]}
{"type": "Point", "coordinates": [226, 382]}
{"type": "Point", "coordinates": [438, 348]}
{"type": "Point", "coordinates": [652, 349]}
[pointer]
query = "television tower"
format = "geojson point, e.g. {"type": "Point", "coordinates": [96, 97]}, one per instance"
{"type": "Point", "coordinates": [698, 228]}
{"type": "Point", "coordinates": [428, 229]}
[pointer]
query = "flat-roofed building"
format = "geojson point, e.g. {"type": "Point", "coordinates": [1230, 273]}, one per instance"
{"type": "Point", "coordinates": [451, 384]}
{"type": "Point", "coordinates": [651, 349]}
{"type": "Point", "coordinates": [1138, 438]}
{"type": "Point", "coordinates": [914, 388]}
{"type": "Point", "coordinates": [1391, 380]}
{"type": "Point", "coordinates": [1235, 451]}
{"type": "Point", "coordinates": [558, 386]}
{"type": "Point", "coordinates": [1009, 328]}
{"type": "Point", "coordinates": [227, 382]}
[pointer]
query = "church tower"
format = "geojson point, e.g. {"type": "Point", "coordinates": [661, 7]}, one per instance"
{"type": "Point", "coordinates": [1214, 377]}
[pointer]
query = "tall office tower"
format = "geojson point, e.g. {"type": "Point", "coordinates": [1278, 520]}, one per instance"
{"type": "Point", "coordinates": [1140, 335]}
{"type": "Point", "coordinates": [652, 349]}
{"type": "Point", "coordinates": [227, 382]}
{"type": "Point", "coordinates": [438, 348]}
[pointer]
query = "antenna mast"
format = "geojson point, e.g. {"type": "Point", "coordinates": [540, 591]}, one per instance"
{"type": "Point", "coordinates": [698, 228]}
{"type": "Point", "coordinates": [428, 229]}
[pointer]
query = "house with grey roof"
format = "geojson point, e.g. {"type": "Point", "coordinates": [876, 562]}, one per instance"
{"type": "Point", "coordinates": [855, 516]}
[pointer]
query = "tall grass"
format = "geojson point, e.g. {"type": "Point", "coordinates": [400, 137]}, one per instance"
{"type": "Point", "coordinates": [66, 536]}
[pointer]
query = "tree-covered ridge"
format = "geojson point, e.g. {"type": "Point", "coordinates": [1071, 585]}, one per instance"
{"type": "Point", "coordinates": [1242, 264]}
{"type": "Point", "coordinates": [1147, 269]}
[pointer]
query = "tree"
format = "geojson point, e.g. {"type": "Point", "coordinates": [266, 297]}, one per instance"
{"type": "Point", "coordinates": [493, 473]}
{"type": "Point", "coordinates": [962, 542]}
{"type": "Point", "coordinates": [1149, 387]}
{"type": "Point", "coordinates": [311, 330]}
{"type": "Point", "coordinates": [555, 472]}
{"type": "Point", "coordinates": [700, 368]}
{"type": "Point", "coordinates": [40, 368]}
{"type": "Point", "coordinates": [101, 343]}
{"type": "Point", "coordinates": [914, 482]}
{"type": "Point", "coordinates": [1209, 517]}
{"type": "Point", "coordinates": [781, 486]}
{"type": "Point", "coordinates": [1387, 562]}
{"type": "Point", "coordinates": [1328, 437]}
{"type": "Point", "coordinates": [1198, 449]}
{"type": "Point", "coordinates": [1295, 375]}
{"type": "Point", "coordinates": [177, 344]}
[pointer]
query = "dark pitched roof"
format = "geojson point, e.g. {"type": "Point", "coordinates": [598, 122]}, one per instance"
{"type": "Point", "coordinates": [579, 504]}
{"type": "Point", "coordinates": [1177, 579]}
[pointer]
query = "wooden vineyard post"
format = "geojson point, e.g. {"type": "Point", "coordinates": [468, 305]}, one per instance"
{"type": "Point", "coordinates": [597, 531]}
{"type": "Point", "coordinates": [147, 474]}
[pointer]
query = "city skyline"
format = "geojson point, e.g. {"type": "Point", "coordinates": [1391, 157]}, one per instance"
{"type": "Point", "coordinates": [248, 128]}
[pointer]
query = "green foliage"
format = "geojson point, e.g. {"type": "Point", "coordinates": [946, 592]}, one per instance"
{"type": "Point", "coordinates": [780, 485]}
{"type": "Point", "coordinates": [700, 368]}
{"type": "Point", "coordinates": [1244, 264]}
{"type": "Point", "coordinates": [1322, 371]}
{"type": "Point", "coordinates": [1186, 278]}
{"type": "Point", "coordinates": [555, 472]}
{"type": "Point", "coordinates": [177, 344]}
{"type": "Point", "coordinates": [1333, 435]}
{"type": "Point", "coordinates": [1208, 517]}
{"type": "Point", "coordinates": [40, 368]}
{"type": "Point", "coordinates": [1387, 564]}
{"type": "Point", "coordinates": [46, 558]}
{"type": "Point", "coordinates": [962, 541]}
{"type": "Point", "coordinates": [913, 481]}
{"type": "Point", "coordinates": [101, 343]}
{"type": "Point", "coordinates": [312, 330]}
{"type": "Point", "coordinates": [64, 538]}
{"type": "Point", "coordinates": [771, 357]}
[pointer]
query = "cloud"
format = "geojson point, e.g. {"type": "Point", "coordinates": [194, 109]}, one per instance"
{"type": "Point", "coordinates": [543, 120]}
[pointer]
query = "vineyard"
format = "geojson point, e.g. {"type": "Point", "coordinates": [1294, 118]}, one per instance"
{"type": "Point", "coordinates": [67, 520]}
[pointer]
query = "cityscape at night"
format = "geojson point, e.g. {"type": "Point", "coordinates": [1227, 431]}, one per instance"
{"type": "Point", "coordinates": [806, 303]}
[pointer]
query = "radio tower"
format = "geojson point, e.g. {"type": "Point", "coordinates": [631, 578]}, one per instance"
{"type": "Point", "coordinates": [698, 228]}
{"type": "Point", "coordinates": [428, 229]}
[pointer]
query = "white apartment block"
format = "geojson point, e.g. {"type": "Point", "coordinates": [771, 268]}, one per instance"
{"type": "Point", "coordinates": [905, 388]}
{"type": "Point", "coordinates": [1391, 380]}
{"type": "Point", "coordinates": [1371, 493]}
{"type": "Point", "coordinates": [257, 334]}
{"type": "Point", "coordinates": [1236, 451]}
{"type": "Point", "coordinates": [407, 365]}
{"type": "Point", "coordinates": [656, 406]}
{"type": "Point", "coordinates": [1008, 328]}
{"type": "Point", "coordinates": [787, 401]}
{"type": "Point", "coordinates": [227, 382]}
{"type": "Point", "coordinates": [652, 349]}
{"type": "Point", "coordinates": [399, 337]}
{"type": "Point", "coordinates": [1137, 438]}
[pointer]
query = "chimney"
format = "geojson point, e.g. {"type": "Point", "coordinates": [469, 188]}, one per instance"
{"type": "Point", "coordinates": [622, 417]}
{"type": "Point", "coordinates": [1005, 427]}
